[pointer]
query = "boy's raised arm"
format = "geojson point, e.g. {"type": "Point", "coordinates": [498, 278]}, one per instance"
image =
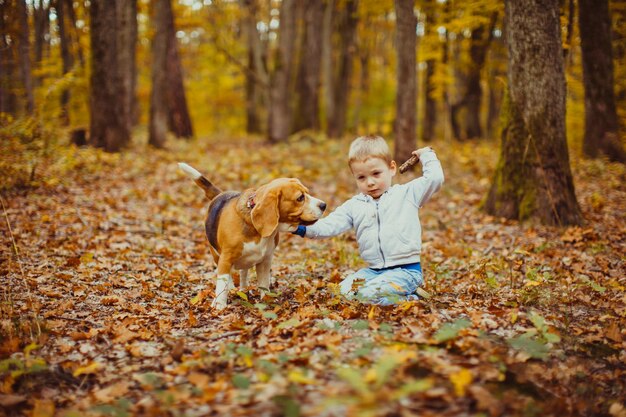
{"type": "Point", "coordinates": [432, 177]}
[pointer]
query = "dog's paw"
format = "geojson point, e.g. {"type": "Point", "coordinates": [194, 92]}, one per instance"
{"type": "Point", "coordinates": [219, 304]}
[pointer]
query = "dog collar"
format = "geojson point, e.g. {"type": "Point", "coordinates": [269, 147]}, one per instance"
{"type": "Point", "coordinates": [250, 203]}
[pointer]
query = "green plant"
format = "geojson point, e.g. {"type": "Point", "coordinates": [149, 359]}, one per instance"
{"type": "Point", "coordinates": [373, 387]}
{"type": "Point", "coordinates": [12, 369]}
{"type": "Point", "coordinates": [535, 342]}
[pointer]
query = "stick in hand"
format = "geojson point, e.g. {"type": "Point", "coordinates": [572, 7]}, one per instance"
{"type": "Point", "coordinates": [408, 164]}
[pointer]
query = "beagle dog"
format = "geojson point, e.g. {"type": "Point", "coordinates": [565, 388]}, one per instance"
{"type": "Point", "coordinates": [242, 227]}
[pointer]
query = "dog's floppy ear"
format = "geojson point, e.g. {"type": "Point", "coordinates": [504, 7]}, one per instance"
{"type": "Point", "coordinates": [265, 214]}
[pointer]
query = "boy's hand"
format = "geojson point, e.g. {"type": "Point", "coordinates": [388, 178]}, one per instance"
{"type": "Point", "coordinates": [413, 159]}
{"type": "Point", "coordinates": [420, 151]}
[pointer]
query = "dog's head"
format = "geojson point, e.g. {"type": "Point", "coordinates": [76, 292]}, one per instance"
{"type": "Point", "coordinates": [284, 200]}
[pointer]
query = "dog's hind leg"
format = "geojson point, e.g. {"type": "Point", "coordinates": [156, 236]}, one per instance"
{"type": "Point", "coordinates": [223, 284]}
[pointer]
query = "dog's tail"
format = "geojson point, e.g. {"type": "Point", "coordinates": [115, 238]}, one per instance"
{"type": "Point", "coordinates": [210, 190]}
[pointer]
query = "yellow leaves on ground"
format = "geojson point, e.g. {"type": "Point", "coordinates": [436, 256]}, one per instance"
{"type": "Point", "coordinates": [88, 369]}
{"type": "Point", "coordinates": [299, 377]}
{"type": "Point", "coordinates": [201, 296]}
{"type": "Point", "coordinates": [123, 281]}
{"type": "Point", "coordinates": [460, 380]}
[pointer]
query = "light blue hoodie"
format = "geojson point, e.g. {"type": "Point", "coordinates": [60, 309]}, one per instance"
{"type": "Point", "coordinates": [388, 230]}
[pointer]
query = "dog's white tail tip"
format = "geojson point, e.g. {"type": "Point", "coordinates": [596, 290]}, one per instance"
{"type": "Point", "coordinates": [189, 170]}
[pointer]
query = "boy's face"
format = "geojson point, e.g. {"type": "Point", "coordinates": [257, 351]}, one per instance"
{"type": "Point", "coordinates": [373, 176]}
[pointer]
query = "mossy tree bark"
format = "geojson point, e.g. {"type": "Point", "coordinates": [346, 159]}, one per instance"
{"type": "Point", "coordinates": [533, 179]}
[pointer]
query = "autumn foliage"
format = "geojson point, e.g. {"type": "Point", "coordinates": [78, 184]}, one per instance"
{"type": "Point", "coordinates": [106, 288]}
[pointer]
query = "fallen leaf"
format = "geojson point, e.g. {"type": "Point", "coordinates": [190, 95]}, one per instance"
{"type": "Point", "coordinates": [112, 392]}
{"type": "Point", "coordinates": [461, 380]}
{"type": "Point", "coordinates": [89, 369]}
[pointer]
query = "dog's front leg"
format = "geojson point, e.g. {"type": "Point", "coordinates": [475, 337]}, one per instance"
{"type": "Point", "coordinates": [243, 278]}
{"type": "Point", "coordinates": [223, 284]}
{"type": "Point", "coordinates": [263, 274]}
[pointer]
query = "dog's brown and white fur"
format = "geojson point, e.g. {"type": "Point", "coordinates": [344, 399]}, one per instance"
{"type": "Point", "coordinates": [242, 228]}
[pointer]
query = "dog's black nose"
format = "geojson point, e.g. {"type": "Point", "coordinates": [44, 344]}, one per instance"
{"type": "Point", "coordinates": [322, 206]}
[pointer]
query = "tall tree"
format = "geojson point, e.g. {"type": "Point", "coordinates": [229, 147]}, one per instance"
{"type": "Point", "coordinates": [41, 12]}
{"type": "Point", "coordinates": [471, 100]}
{"type": "Point", "coordinates": [308, 79]}
{"type": "Point", "coordinates": [8, 67]}
{"type": "Point", "coordinates": [256, 70]}
{"type": "Point", "coordinates": [127, 39]}
{"type": "Point", "coordinates": [279, 124]}
{"type": "Point", "coordinates": [348, 21]}
{"type": "Point", "coordinates": [109, 128]}
{"type": "Point", "coordinates": [24, 54]}
{"type": "Point", "coordinates": [533, 177]}
{"type": "Point", "coordinates": [406, 90]}
{"type": "Point", "coordinates": [327, 62]}
{"type": "Point", "coordinates": [179, 121]}
{"type": "Point", "coordinates": [62, 7]}
{"type": "Point", "coordinates": [157, 130]}
{"type": "Point", "coordinates": [430, 104]}
{"type": "Point", "coordinates": [601, 123]}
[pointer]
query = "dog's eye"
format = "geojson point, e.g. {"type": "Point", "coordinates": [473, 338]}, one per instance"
{"type": "Point", "coordinates": [301, 198]}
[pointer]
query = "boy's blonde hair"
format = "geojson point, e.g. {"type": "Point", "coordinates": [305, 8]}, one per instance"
{"type": "Point", "coordinates": [370, 146]}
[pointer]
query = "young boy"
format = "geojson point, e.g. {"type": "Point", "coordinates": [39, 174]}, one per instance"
{"type": "Point", "coordinates": [386, 222]}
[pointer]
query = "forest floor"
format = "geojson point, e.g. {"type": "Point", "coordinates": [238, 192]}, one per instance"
{"type": "Point", "coordinates": [106, 288]}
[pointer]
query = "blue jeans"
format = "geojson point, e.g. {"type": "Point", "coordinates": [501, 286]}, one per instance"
{"type": "Point", "coordinates": [383, 286]}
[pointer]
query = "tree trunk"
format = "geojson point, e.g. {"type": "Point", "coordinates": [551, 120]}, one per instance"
{"type": "Point", "coordinates": [474, 91]}
{"type": "Point", "coordinates": [308, 80]}
{"type": "Point", "coordinates": [24, 54]}
{"type": "Point", "coordinates": [618, 17]}
{"type": "Point", "coordinates": [8, 76]}
{"type": "Point", "coordinates": [406, 90]}
{"type": "Point", "coordinates": [472, 97]}
{"type": "Point", "coordinates": [109, 127]}
{"type": "Point", "coordinates": [601, 124]}
{"type": "Point", "coordinates": [279, 124]}
{"type": "Point", "coordinates": [75, 37]}
{"type": "Point", "coordinates": [327, 62]}
{"type": "Point", "coordinates": [157, 130]}
{"type": "Point", "coordinates": [341, 85]}
{"type": "Point", "coordinates": [496, 89]}
{"type": "Point", "coordinates": [533, 179]}
{"type": "Point", "coordinates": [364, 88]}
{"type": "Point", "coordinates": [66, 57]}
{"type": "Point", "coordinates": [430, 104]}
{"type": "Point", "coordinates": [256, 75]}
{"type": "Point", "coordinates": [42, 29]}
{"type": "Point", "coordinates": [179, 121]}
{"type": "Point", "coordinates": [127, 39]}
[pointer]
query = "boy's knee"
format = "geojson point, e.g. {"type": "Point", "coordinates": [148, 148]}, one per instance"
{"type": "Point", "coordinates": [351, 285]}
